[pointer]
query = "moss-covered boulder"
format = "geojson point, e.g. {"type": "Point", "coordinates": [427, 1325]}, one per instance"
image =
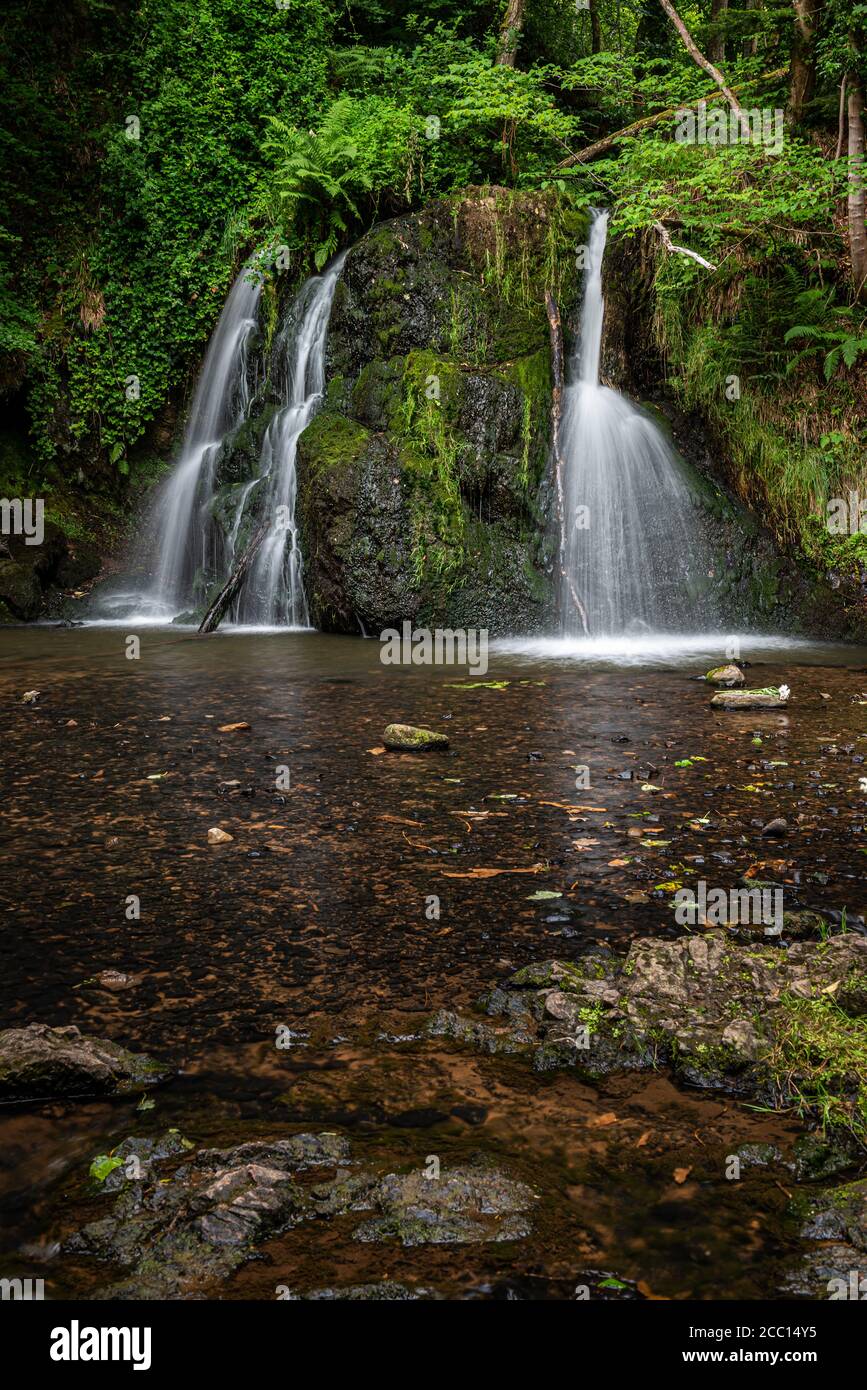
{"type": "Point", "coordinates": [39, 1062]}
{"type": "Point", "coordinates": [421, 483]}
{"type": "Point", "coordinates": [787, 1026]}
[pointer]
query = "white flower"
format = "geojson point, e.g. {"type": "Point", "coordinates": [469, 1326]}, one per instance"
{"type": "Point", "coordinates": [784, 692]}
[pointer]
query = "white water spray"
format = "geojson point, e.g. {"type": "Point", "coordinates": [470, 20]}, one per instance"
{"type": "Point", "coordinates": [634, 549]}
{"type": "Point", "coordinates": [274, 593]}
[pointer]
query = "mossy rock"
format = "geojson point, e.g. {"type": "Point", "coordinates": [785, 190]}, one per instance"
{"type": "Point", "coordinates": [422, 483]}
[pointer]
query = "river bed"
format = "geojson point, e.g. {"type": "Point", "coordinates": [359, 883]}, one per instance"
{"type": "Point", "coordinates": [347, 907]}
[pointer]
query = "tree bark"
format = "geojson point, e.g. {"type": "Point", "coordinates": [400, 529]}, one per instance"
{"type": "Point", "coordinates": [510, 33]}
{"type": "Point", "coordinates": [699, 58]}
{"type": "Point", "coordinates": [841, 119]}
{"type": "Point", "coordinates": [752, 43]}
{"type": "Point", "coordinates": [857, 203]}
{"type": "Point", "coordinates": [234, 583]}
{"type": "Point", "coordinates": [716, 49]}
{"type": "Point", "coordinates": [600, 146]}
{"type": "Point", "coordinates": [802, 70]}
{"type": "Point", "coordinates": [595, 28]}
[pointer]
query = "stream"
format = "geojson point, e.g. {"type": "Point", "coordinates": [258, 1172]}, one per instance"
{"type": "Point", "coordinates": [315, 916]}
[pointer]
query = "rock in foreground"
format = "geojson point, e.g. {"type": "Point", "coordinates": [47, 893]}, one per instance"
{"type": "Point", "coordinates": [179, 1230]}
{"type": "Point", "coordinates": [40, 1063]}
{"type": "Point", "coordinates": [754, 1020]}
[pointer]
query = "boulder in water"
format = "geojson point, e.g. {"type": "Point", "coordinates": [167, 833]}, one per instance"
{"type": "Point", "coordinates": [769, 698]}
{"type": "Point", "coordinates": [726, 675]}
{"type": "Point", "coordinates": [403, 737]}
{"type": "Point", "coordinates": [39, 1063]}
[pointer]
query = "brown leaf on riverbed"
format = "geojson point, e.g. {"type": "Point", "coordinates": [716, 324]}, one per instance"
{"type": "Point", "coordinates": [376, 751]}
{"type": "Point", "coordinates": [644, 1138]}
{"type": "Point", "coordinates": [681, 1174]}
{"type": "Point", "coordinates": [233, 728]}
{"type": "Point", "coordinates": [399, 820]}
{"type": "Point", "coordinates": [600, 1121]}
{"type": "Point", "coordinates": [763, 866]}
{"type": "Point", "coordinates": [491, 873]}
{"type": "Point", "coordinates": [583, 845]}
{"type": "Point", "coordinates": [644, 1288]}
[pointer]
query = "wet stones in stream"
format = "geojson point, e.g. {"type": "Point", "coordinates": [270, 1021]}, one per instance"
{"type": "Point", "coordinates": [39, 1062]}
{"type": "Point", "coordinates": [720, 1015]}
{"type": "Point", "coordinates": [180, 1228]}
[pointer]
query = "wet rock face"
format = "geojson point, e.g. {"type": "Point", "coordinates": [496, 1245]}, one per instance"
{"type": "Point", "coordinates": [837, 1268]}
{"type": "Point", "coordinates": [31, 575]}
{"type": "Point", "coordinates": [463, 1206]}
{"type": "Point", "coordinates": [716, 1012]}
{"type": "Point", "coordinates": [420, 483]}
{"type": "Point", "coordinates": [39, 1062]}
{"type": "Point", "coordinates": [179, 1228]}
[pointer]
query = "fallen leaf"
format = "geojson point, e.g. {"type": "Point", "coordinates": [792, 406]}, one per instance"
{"type": "Point", "coordinates": [644, 1138]}
{"type": "Point", "coordinates": [216, 836]}
{"type": "Point", "coordinates": [644, 1288]}
{"type": "Point", "coordinates": [376, 751]}
{"type": "Point", "coordinates": [492, 873]}
{"type": "Point", "coordinates": [600, 1121]}
{"type": "Point", "coordinates": [233, 728]}
{"type": "Point", "coordinates": [681, 1174]}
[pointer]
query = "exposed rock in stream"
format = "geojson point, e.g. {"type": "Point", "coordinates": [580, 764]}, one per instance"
{"type": "Point", "coordinates": [720, 1015]}
{"type": "Point", "coordinates": [39, 1062]}
{"type": "Point", "coordinates": [179, 1231]}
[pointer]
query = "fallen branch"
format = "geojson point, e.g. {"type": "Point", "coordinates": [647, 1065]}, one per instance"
{"type": "Point", "coordinates": [707, 66]}
{"type": "Point", "coordinates": [681, 250]}
{"type": "Point", "coordinates": [646, 122]}
{"type": "Point", "coordinates": [556, 328]}
{"type": "Point", "coordinates": [233, 584]}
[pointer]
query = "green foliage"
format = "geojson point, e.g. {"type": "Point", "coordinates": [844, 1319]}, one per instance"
{"type": "Point", "coordinates": [837, 330]}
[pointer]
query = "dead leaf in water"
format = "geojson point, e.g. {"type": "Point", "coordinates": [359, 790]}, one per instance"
{"type": "Point", "coordinates": [681, 1174]}
{"type": "Point", "coordinates": [644, 1288]}
{"type": "Point", "coordinates": [233, 728]}
{"type": "Point", "coordinates": [491, 873]}
{"type": "Point", "coordinates": [601, 1121]}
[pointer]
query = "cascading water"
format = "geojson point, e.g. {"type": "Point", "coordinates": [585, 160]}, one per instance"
{"type": "Point", "coordinates": [192, 548]}
{"type": "Point", "coordinates": [634, 550]}
{"type": "Point", "coordinates": [185, 536]}
{"type": "Point", "coordinates": [274, 592]}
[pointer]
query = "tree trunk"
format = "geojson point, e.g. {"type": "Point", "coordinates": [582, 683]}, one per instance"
{"type": "Point", "coordinates": [233, 584]}
{"type": "Point", "coordinates": [510, 33]}
{"type": "Point", "coordinates": [716, 48]}
{"type": "Point", "coordinates": [802, 78]}
{"type": "Point", "coordinates": [698, 57]}
{"type": "Point", "coordinates": [751, 44]}
{"type": "Point", "coordinates": [595, 28]}
{"type": "Point", "coordinates": [857, 206]}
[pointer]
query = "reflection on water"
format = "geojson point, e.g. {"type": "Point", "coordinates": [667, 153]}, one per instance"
{"type": "Point", "coordinates": [314, 914]}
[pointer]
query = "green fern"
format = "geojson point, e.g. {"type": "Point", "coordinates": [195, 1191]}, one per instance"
{"type": "Point", "coordinates": [829, 328]}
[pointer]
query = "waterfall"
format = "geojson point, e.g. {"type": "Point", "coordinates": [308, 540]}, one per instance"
{"type": "Point", "coordinates": [186, 539]}
{"type": "Point", "coordinates": [274, 592]}
{"type": "Point", "coordinates": [634, 549]}
{"type": "Point", "coordinates": [192, 549]}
